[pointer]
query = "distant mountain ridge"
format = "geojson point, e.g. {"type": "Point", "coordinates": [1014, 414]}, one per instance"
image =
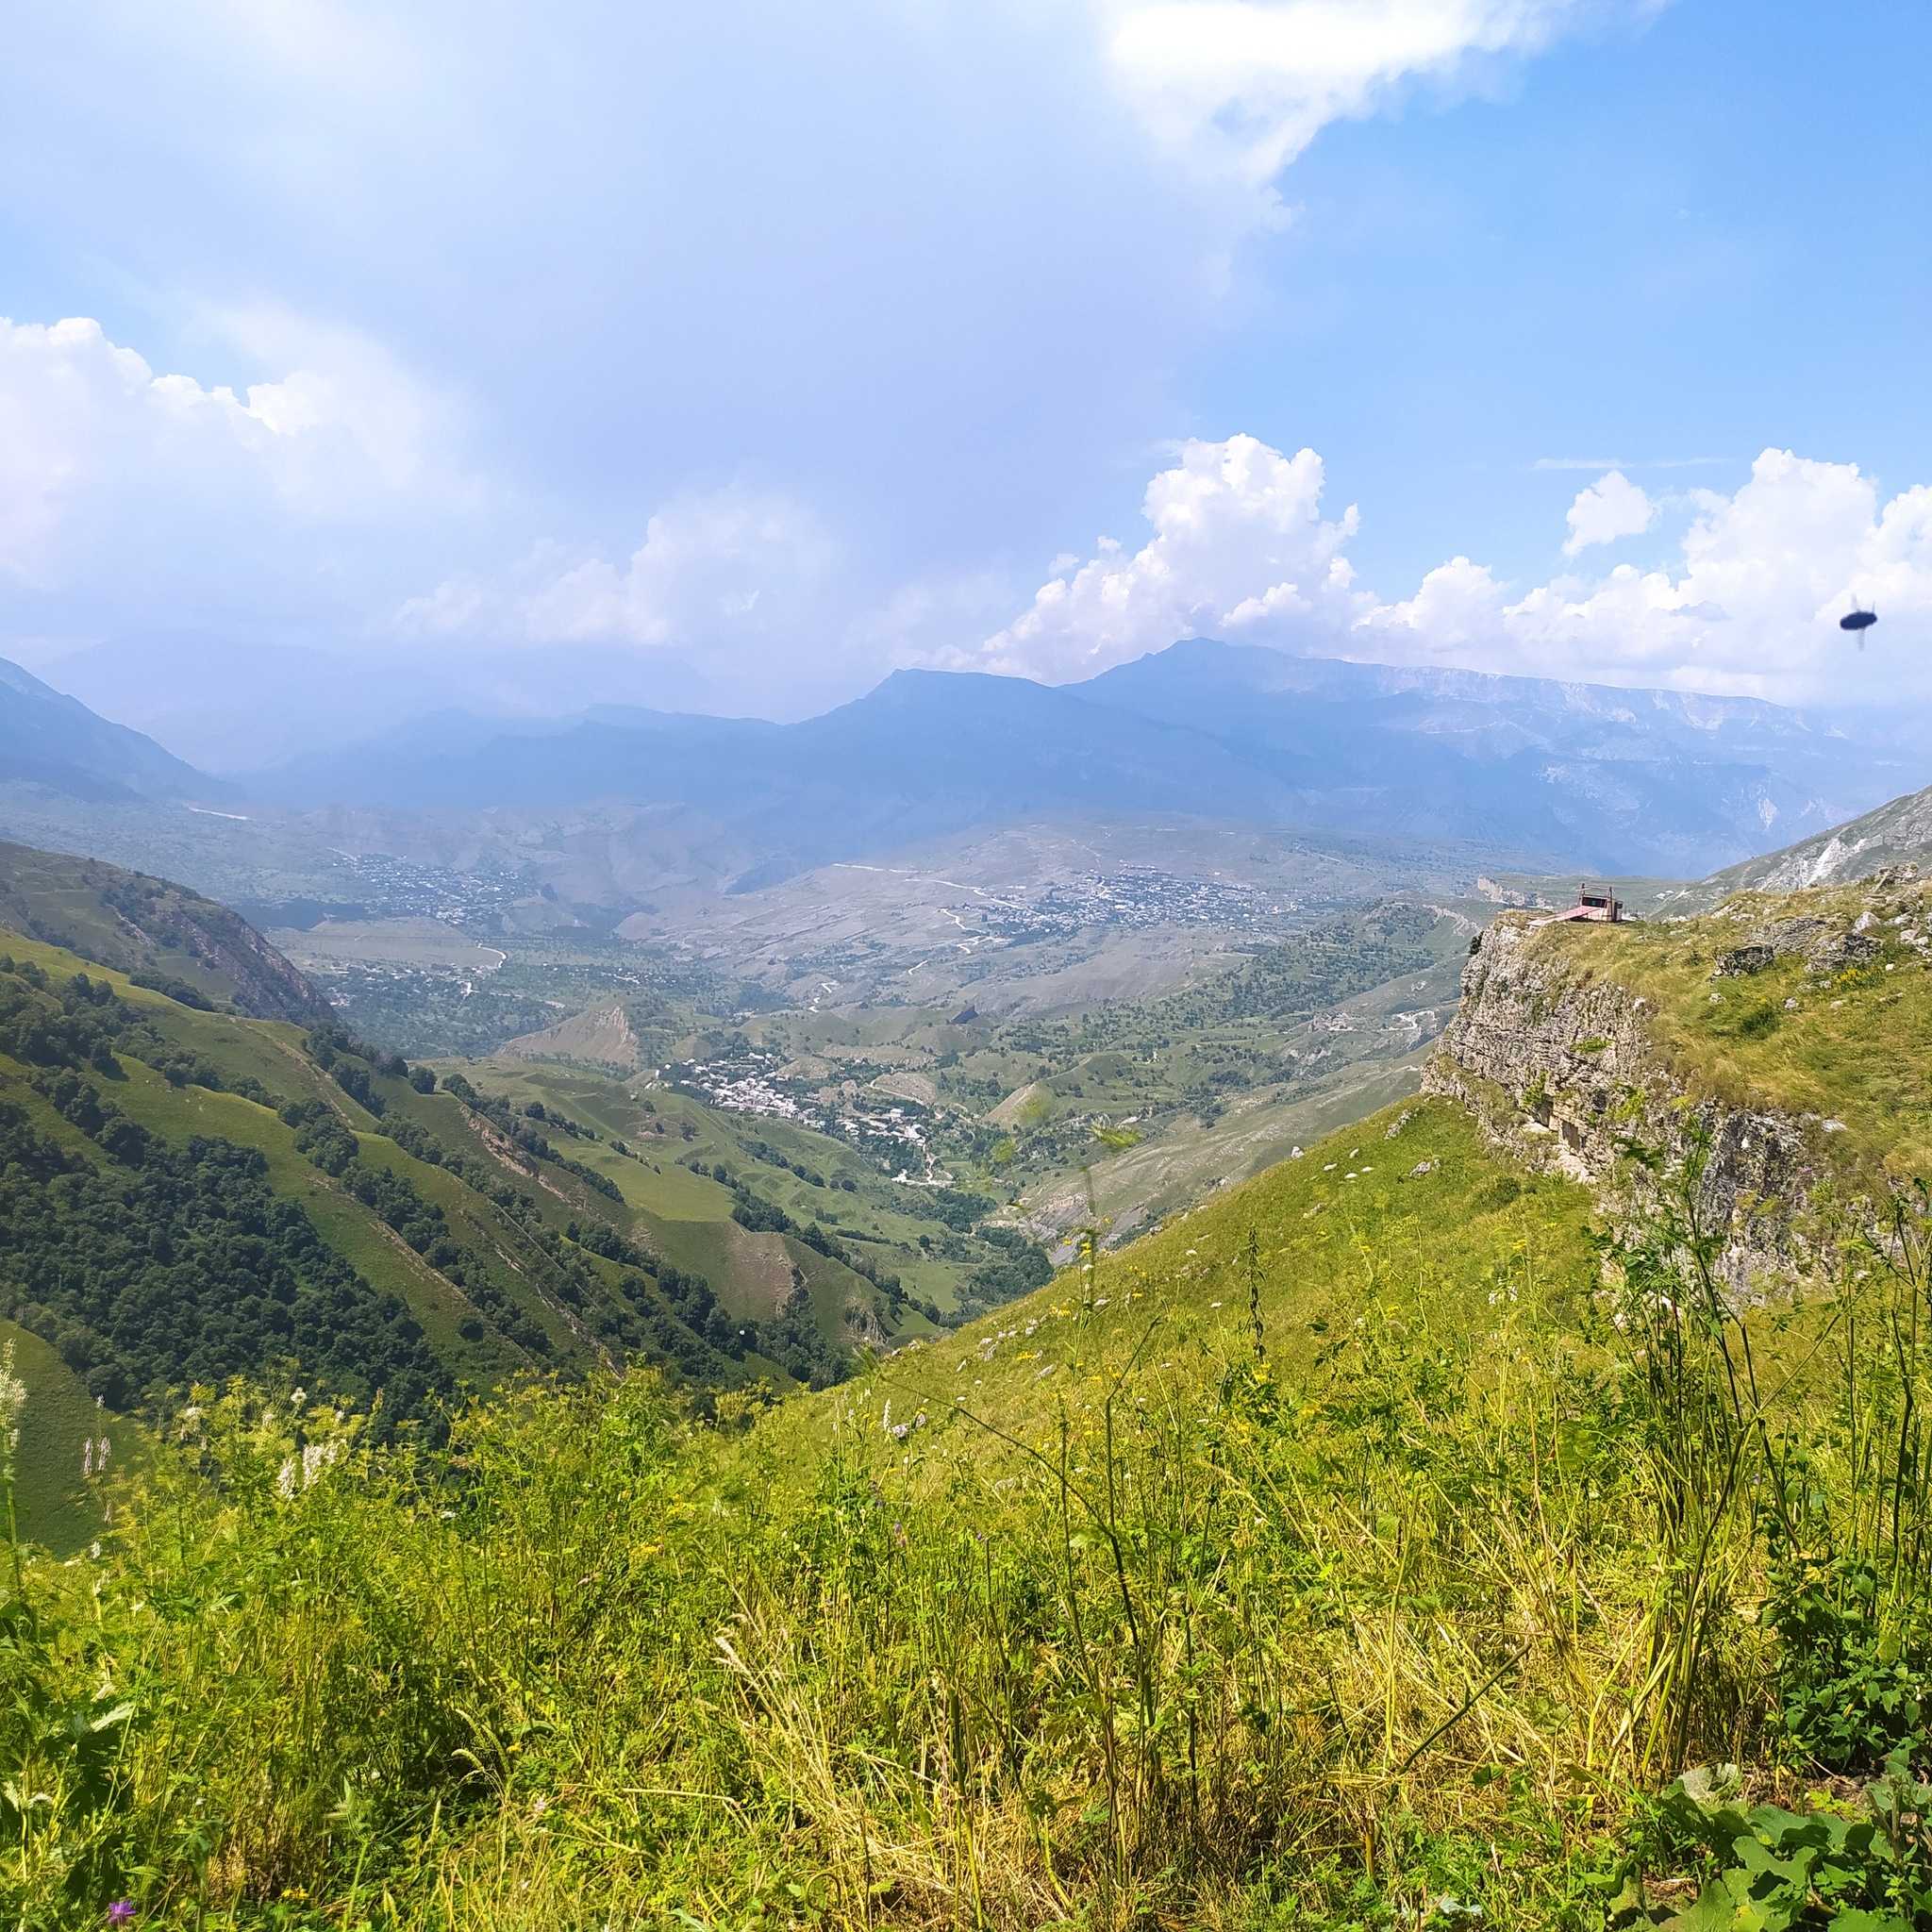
{"type": "Point", "coordinates": [1547, 774]}
{"type": "Point", "coordinates": [1897, 833]}
{"type": "Point", "coordinates": [55, 740]}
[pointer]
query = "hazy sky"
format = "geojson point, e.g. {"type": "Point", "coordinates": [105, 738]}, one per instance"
{"type": "Point", "coordinates": [779, 345]}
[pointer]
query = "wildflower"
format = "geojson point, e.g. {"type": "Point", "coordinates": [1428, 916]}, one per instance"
{"type": "Point", "coordinates": [12, 1400]}
{"type": "Point", "coordinates": [120, 1912]}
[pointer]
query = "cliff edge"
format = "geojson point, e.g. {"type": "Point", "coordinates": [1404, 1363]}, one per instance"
{"type": "Point", "coordinates": [1789, 1034]}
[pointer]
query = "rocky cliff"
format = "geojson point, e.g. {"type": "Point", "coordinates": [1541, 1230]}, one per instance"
{"type": "Point", "coordinates": [1752, 1027]}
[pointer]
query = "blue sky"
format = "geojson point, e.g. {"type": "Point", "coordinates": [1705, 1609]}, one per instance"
{"type": "Point", "coordinates": [1695, 236]}
{"type": "Point", "coordinates": [756, 350]}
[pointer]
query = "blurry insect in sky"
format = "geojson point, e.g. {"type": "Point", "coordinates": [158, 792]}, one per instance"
{"type": "Point", "coordinates": [1858, 620]}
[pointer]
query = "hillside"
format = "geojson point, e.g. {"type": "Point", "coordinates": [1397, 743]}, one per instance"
{"type": "Point", "coordinates": [196, 1194]}
{"type": "Point", "coordinates": [53, 741]}
{"type": "Point", "coordinates": [1898, 833]}
{"type": "Point", "coordinates": [1333, 1551]}
{"type": "Point", "coordinates": [1511, 1511]}
{"type": "Point", "coordinates": [192, 1195]}
{"type": "Point", "coordinates": [164, 934]}
{"type": "Point", "coordinates": [1791, 1032]}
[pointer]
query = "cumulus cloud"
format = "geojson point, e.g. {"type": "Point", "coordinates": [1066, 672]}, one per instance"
{"type": "Point", "coordinates": [1240, 552]}
{"type": "Point", "coordinates": [1765, 574]}
{"type": "Point", "coordinates": [125, 492]}
{"type": "Point", "coordinates": [1239, 549]}
{"type": "Point", "coordinates": [1611, 507]}
{"type": "Point", "coordinates": [720, 569]}
{"type": "Point", "coordinates": [501, 294]}
{"type": "Point", "coordinates": [1241, 87]}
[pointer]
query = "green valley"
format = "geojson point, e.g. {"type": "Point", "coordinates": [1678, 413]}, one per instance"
{"type": "Point", "coordinates": [1512, 1510]}
{"type": "Point", "coordinates": [633, 1496]}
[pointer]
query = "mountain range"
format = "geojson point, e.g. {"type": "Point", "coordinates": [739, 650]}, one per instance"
{"type": "Point", "coordinates": [1528, 772]}
{"type": "Point", "coordinates": [50, 739]}
{"type": "Point", "coordinates": [1544, 773]}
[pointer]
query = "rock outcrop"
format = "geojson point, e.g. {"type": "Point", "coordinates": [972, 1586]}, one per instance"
{"type": "Point", "coordinates": [1563, 1066]}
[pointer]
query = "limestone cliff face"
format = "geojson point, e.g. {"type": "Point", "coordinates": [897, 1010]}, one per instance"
{"type": "Point", "coordinates": [1560, 1066]}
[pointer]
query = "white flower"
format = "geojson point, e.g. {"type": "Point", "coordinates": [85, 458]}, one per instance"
{"type": "Point", "coordinates": [12, 1400]}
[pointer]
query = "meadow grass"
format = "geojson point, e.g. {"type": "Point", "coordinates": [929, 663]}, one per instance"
{"type": "Point", "coordinates": [1353, 1551]}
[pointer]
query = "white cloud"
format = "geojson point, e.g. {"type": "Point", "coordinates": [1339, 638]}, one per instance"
{"type": "Point", "coordinates": [125, 494]}
{"type": "Point", "coordinates": [1239, 550]}
{"type": "Point", "coordinates": [744, 577]}
{"type": "Point", "coordinates": [1611, 507]}
{"type": "Point", "coordinates": [1765, 575]}
{"type": "Point", "coordinates": [1241, 87]}
{"type": "Point", "coordinates": [933, 266]}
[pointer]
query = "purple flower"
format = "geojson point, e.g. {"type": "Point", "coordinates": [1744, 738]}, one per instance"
{"type": "Point", "coordinates": [120, 1912]}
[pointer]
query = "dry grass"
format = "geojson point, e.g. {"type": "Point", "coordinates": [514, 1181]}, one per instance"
{"type": "Point", "coordinates": [1416, 1601]}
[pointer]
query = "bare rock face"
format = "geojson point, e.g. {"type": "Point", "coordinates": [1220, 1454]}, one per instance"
{"type": "Point", "coordinates": [1740, 961]}
{"type": "Point", "coordinates": [1559, 1066]}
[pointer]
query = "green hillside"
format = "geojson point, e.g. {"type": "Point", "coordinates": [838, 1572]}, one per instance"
{"type": "Point", "coordinates": [60, 1502]}
{"type": "Point", "coordinates": [195, 1194]}
{"type": "Point", "coordinates": [1823, 1019]}
{"type": "Point", "coordinates": [1404, 1537]}
{"type": "Point", "coordinates": [162, 934]}
{"type": "Point", "coordinates": [1317, 1558]}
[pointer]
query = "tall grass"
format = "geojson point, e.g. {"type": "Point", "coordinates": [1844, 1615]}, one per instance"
{"type": "Point", "coordinates": [1195, 1638]}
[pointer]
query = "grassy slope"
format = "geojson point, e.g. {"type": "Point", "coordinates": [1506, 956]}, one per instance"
{"type": "Point", "coordinates": [681, 1216]}
{"type": "Point", "coordinates": [270, 1052]}
{"type": "Point", "coordinates": [354, 1233]}
{"type": "Point", "coordinates": [1401, 1590]}
{"type": "Point", "coordinates": [686, 1216]}
{"type": "Point", "coordinates": [56, 1506]}
{"type": "Point", "coordinates": [185, 936]}
{"type": "Point", "coordinates": [1406, 1584]}
{"type": "Point", "coordinates": [1177, 1302]}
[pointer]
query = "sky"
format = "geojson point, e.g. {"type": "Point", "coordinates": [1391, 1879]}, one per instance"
{"type": "Point", "coordinates": [731, 356]}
